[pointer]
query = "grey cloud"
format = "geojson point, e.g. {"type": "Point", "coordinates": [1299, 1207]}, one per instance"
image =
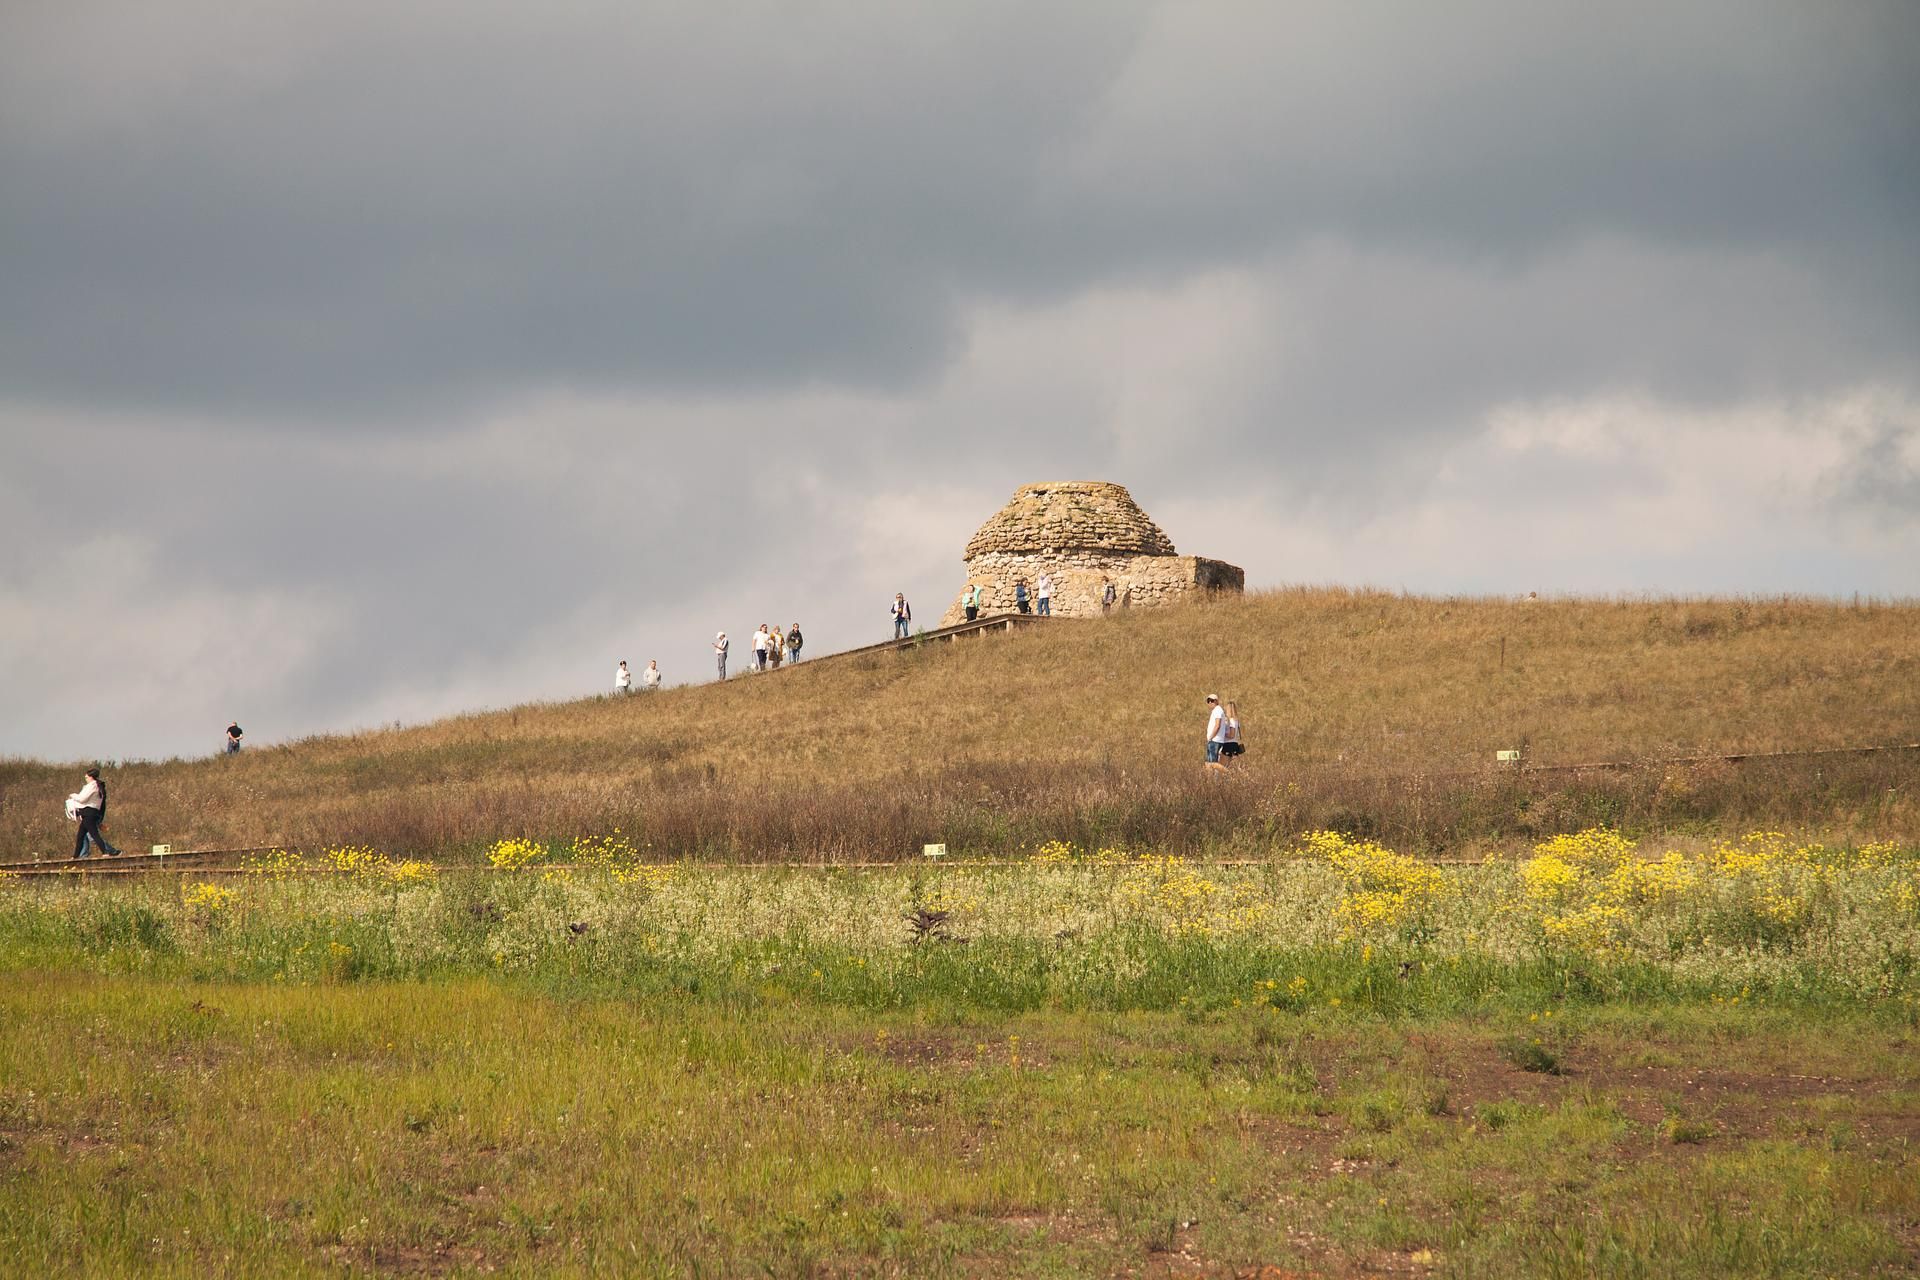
{"type": "Point", "coordinates": [1882, 477]}
{"type": "Point", "coordinates": [364, 208]}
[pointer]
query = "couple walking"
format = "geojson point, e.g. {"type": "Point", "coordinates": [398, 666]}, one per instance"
{"type": "Point", "coordinates": [1223, 731]}
{"type": "Point", "coordinates": [88, 807]}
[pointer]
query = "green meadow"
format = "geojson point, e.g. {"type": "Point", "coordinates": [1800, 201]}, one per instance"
{"type": "Point", "coordinates": [1595, 1060]}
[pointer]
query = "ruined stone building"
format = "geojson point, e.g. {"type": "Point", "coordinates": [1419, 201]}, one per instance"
{"type": "Point", "coordinates": [1081, 531]}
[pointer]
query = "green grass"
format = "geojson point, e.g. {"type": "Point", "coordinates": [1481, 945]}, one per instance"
{"type": "Point", "coordinates": [460, 1126]}
{"type": "Point", "coordinates": [1114, 1065]}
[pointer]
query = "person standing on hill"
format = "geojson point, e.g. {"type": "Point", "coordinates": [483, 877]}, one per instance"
{"type": "Point", "coordinates": [622, 679]}
{"type": "Point", "coordinates": [1216, 728]}
{"type": "Point", "coordinates": [720, 653]}
{"type": "Point", "coordinates": [233, 737]}
{"type": "Point", "coordinates": [760, 648]}
{"type": "Point", "coordinates": [651, 676]}
{"type": "Point", "coordinates": [902, 616]}
{"type": "Point", "coordinates": [1043, 591]}
{"type": "Point", "coordinates": [1234, 746]}
{"type": "Point", "coordinates": [1020, 595]}
{"type": "Point", "coordinates": [794, 641]}
{"type": "Point", "coordinates": [970, 601]}
{"type": "Point", "coordinates": [776, 647]}
{"type": "Point", "coordinates": [89, 806]}
{"type": "Point", "coordinates": [1107, 596]}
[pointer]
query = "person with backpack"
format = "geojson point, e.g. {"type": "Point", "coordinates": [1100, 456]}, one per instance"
{"type": "Point", "coordinates": [89, 808]}
{"type": "Point", "coordinates": [1020, 595]}
{"type": "Point", "coordinates": [902, 616]}
{"type": "Point", "coordinates": [794, 640]}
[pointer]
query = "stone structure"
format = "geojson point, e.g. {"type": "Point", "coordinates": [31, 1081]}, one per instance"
{"type": "Point", "coordinates": [1079, 532]}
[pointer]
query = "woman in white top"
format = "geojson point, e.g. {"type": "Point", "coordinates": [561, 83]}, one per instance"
{"type": "Point", "coordinates": [622, 678]}
{"type": "Point", "coordinates": [89, 808]}
{"type": "Point", "coordinates": [1233, 746]}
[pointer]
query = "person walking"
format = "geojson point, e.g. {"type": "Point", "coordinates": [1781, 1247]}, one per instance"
{"type": "Point", "coordinates": [1234, 746]}
{"type": "Point", "coordinates": [1020, 595]}
{"type": "Point", "coordinates": [651, 676]}
{"type": "Point", "coordinates": [776, 647]}
{"type": "Point", "coordinates": [1216, 728]}
{"type": "Point", "coordinates": [902, 616]}
{"type": "Point", "coordinates": [970, 601]}
{"type": "Point", "coordinates": [622, 679]}
{"type": "Point", "coordinates": [1107, 596]}
{"type": "Point", "coordinates": [1043, 591]}
{"type": "Point", "coordinates": [760, 648]}
{"type": "Point", "coordinates": [233, 736]}
{"type": "Point", "coordinates": [720, 653]}
{"type": "Point", "coordinates": [794, 641]}
{"type": "Point", "coordinates": [89, 808]}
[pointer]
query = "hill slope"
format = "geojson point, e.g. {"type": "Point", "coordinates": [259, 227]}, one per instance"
{"type": "Point", "coordinates": [1374, 712]}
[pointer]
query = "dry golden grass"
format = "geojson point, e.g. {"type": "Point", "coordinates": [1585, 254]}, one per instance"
{"type": "Point", "coordinates": [1374, 712]}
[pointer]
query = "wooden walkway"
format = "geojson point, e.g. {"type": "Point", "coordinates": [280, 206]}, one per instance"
{"type": "Point", "coordinates": [978, 627]}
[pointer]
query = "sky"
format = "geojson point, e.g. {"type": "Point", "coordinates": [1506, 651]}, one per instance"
{"type": "Point", "coordinates": [364, 363]}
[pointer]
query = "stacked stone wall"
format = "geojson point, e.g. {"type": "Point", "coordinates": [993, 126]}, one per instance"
{"type": "Point", "coordinates": [1078, 577]}
{"type": "Point", "coordinates": [1080, 533]}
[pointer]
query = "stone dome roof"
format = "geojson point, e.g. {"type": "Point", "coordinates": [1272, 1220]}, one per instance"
{"type": "Point", "coordinates": [1070, 515]}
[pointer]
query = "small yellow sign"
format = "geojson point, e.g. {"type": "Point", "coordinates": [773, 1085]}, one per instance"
{"type": "Point", "coordinates": [1506, 757]}
{"type": "Point", "coordinates": [934, 850]}
{"type": "Point", "coordinates": [162, 850]}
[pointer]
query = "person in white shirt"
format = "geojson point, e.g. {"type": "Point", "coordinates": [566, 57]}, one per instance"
{"type": "Point", "coordinates": [651, 676]}
{"type": "Point", "coordinates": [622, 678]}
{"type": "Point", "coordinates": [720, 653]}
{"type": "Point", "coordinates": [760, 639]}
{"type": "Point", "coordinates": [902, 616]}
{"type": "Point", "coordinates": [89, 808]}
{"type": "Point", "coordinates": [1216, 728]}
{"type": "Point", "coordinates": [1043, 592]}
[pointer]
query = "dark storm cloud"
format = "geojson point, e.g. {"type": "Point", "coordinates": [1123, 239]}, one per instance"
{"type": "Point", "coordinates": [364, 207]}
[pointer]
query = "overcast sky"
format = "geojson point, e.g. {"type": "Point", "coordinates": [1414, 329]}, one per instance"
{"type": "Point", "coordinates": [363, 361]}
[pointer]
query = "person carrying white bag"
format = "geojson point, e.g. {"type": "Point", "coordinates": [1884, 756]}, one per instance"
{"type": "Point", "coordinates": [88, 807]}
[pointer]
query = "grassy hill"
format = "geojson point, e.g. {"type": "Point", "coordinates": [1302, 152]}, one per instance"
{"type": "Point", "coordinates": [1373, 713]}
